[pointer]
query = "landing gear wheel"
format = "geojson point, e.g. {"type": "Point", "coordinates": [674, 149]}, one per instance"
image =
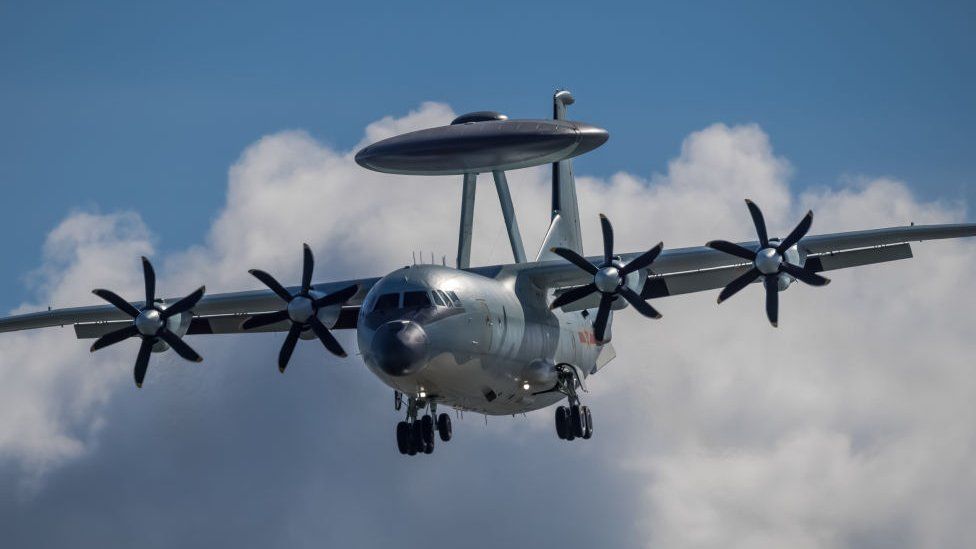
{"type": "Point", "coordinates": [577, 422]}
{"type": "Point", "coordinates": [403, 437]}
{"type": "Point", "coordinates": [587, 423]}
{"type": "Point", "coordinates": [444, 427]}
{"type": "Point", "coordinates": [562, 422]}
{"type": "Point", "coordinates": [429, 447]}
{"type": "Point", "coordinates": [416, 438]}
{"type": "Point", "coordinates": [427, 429]}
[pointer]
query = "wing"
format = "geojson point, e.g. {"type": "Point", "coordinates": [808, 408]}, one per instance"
{"type": "Point", "coordinates": [214, 314]}
{"type": "Point", "coordinates": [695, 269]}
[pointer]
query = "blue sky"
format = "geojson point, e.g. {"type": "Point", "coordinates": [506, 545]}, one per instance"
{"type": "Point", "coordinates": [112, 106]}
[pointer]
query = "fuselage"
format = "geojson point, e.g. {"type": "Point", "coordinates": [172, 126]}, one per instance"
{"type": "Point", "coordinates": [476, 343]}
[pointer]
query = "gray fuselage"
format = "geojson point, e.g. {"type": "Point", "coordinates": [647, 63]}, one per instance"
{"type": "Point", "coordinates": [469, 341]}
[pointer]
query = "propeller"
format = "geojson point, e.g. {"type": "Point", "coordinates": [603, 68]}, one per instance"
{"type": "Point", "coordinates": [302, 311]}
{"type": "Point", "coordinates": [151, 323]}
{"type": "Point", "coordinates": [769, 262]}
{"type": "Point", "coordinates": [609, 279]}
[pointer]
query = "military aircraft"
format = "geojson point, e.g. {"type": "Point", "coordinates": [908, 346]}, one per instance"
{"type": "Point", "coordinates": [500, 339]}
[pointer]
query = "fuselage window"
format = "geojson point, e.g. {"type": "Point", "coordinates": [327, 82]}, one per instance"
{"type": "Point", "coordinates": [437, 298]}
{"type": "Point", "coordinates": [387, 302]}
{"type": "Point", "coordinates": [416, 300]}
{"type": "Point", "coordinates": [454, 298]}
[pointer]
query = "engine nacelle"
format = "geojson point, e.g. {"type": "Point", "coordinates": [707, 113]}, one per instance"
{"type": "Point", "coordinates": [793, 256]}
{"type": "Point", "coordinates": [178, 324]}
{"type": "Point", "coordinates": [328, 315]}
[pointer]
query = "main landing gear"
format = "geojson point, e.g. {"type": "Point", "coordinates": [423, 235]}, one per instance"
{"type": "Point", "coordinates": [573, 421]}
{"type": "Point", "coordinates": [415, 435]}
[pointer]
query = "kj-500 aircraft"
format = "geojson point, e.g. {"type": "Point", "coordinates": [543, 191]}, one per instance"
{"type": "Point", "coordinates": [498, 340]}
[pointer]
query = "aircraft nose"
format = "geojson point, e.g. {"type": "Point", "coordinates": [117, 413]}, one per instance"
{"type": "Point", "coordinates": [400, 347]}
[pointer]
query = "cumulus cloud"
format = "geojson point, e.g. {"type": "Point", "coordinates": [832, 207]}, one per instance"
{"type": "Point", "coordinates": [850, 425]}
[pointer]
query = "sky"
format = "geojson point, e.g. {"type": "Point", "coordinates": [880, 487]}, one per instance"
{"type": "Point", "coordinates": [219, 138]}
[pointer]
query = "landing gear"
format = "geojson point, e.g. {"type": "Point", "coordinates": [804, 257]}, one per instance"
{"type": "Point", "coordinates": [573, 421]}
{"type": "Point", "coordinates": [444, 427]}
{"type": "Point", "coordinates": [416, 434]}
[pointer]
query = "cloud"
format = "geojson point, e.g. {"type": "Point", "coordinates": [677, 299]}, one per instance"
{"type": "Point", "coordinates": [850, 425]}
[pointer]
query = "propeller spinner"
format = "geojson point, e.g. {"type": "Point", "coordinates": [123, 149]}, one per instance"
{"type": "Point", "coordinates": [302, 311]}
{"type": "Point", "coordinates": [769, 262]}
{"type": "Point", "coordinates": [609, 279]}
{"type": "Point", "coordinates": [149, 323]}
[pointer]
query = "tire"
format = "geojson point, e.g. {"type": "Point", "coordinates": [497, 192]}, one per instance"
{"type": "Point", "coordinates": [429, 447]}
{"type": "Point", "coordinates": [403, 437]}
{"type": "Point", "coordinates": [416, 438]}
{"type": "Point", "coordinates": [577, 422]}
{"type": "Point", "coordinates": [427, 429]}
{"type": "Point", "coordinates": [444, 427]}
{"type": "Point", "coordinates": [587, 422]}
{"type": "Point", "coordinates": [562, 422]}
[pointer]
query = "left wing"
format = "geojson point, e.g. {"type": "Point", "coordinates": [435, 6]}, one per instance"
{"type": "Point", "coordinates": [700, 268]}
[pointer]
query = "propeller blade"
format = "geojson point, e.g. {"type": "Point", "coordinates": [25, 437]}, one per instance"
{"type": "Point", "coordinates": [602, 316]}
{"type": "Point", "coordinates": [288, 347]}
{"type": "Point", "coordinates": [732, 249]}
{"type": "Point", "coordinates": [119, 303]}
{"type": "Point", "coordinates": [573, 294]}
{"type": "Point", "coordinates": [112, 338]}
{"type": "Point", "coordinates": [642, 260]}
{"type": "Point", "coordinates": [264, 319]}
{"type": "Point", "coordinates": [798, 232]}
{"type": "Point", "coordinates": [271, 283]}
{"type": "Point", "coordinates": [772, 299]}
{"type": "Point", "coordinates": [326, 337]}
{"type": "Point", "coordinates": [607, 229]}
{"type": "Point", "coordinates": [179, 346]}
{"type": "Point", "coordinates": [759, 222]}
{"type": "Point", "coordinates": [142, 361]}
{"type": "Point", "coordinates": [804, 275]}
{"type": "Point", "coordinates": [739, 283]}
{"type": "Point", "coordinates": [149, 274]}
{"type": "Point", "coordinates": [341, 296]}
{"type": "Point", "coordinates": [639, 304]}
{"type": "Point", "coordinates": [575, 259]}
{"type": "Point", "coordinates": [308, 264]}
{"type": "Point", "coordinates": [184, 304]}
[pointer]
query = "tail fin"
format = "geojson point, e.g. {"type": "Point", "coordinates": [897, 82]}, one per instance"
{"type": "Point", "coordinates": [564, 230]}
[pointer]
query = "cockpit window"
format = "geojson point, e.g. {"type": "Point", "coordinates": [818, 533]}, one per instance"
{"type": "Point", "coordinates": [387, 302]}
{"type": "Point", "coordinates": [436, 294]}
{"type": "Point", "coordinates": [416, 300]}
{"type": "Point", "coordinates": [454, 298]}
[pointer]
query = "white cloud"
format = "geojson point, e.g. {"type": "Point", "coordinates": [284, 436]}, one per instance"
{"type": "Point", "coordinates": [850, 425]}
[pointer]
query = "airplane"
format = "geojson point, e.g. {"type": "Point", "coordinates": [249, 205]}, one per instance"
{"type": "Point", "coordinates": [501, 339]}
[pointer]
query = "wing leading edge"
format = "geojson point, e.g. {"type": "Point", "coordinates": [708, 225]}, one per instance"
{"type": "Point", "coordinates": [216, 313]}
{"type": "Point", "coordinates": [700, 268]}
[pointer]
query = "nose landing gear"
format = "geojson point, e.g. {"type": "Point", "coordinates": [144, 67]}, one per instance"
{"type": "Point", "coordinates": [416, 434]}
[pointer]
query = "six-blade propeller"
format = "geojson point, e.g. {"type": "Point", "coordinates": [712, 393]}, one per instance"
{"type": "Point", "coordinates": [149, 323]}
{"type": "Point", "coordinates": [769, 262]}
{"type": "Point", "coordinates": [609, 279]}
{"type": "Point", "coordinates": [302, 311]}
